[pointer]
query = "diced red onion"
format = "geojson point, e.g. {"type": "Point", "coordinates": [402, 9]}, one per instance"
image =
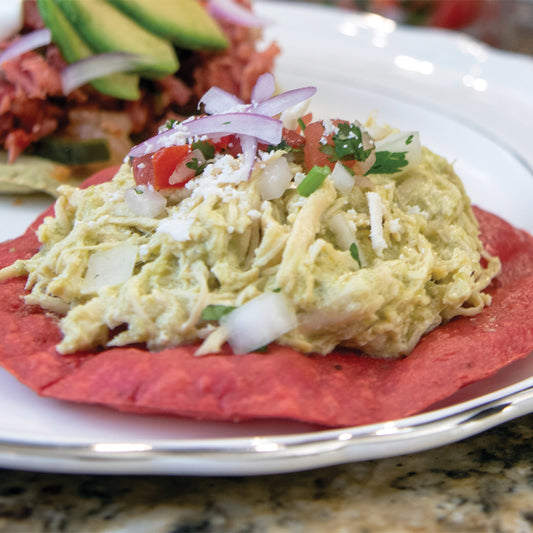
{"type": "Point", "coordinates": [235, 13]}
{"type": "Point", "coordinates": [283, 101]}
{"type": "Point", "coordinates": [96, 66]}
{"type": "Point", "coordinates": [249, 150]}
{"type": "Point", "coordinates": [259, 322]}
{"type": "Point", "coordinates": [143, 201]}
{"type": "Point", "coordinates": [274, 179]}
{"type": "Point", "coordinates": [264, 88]}
{"type": "Point", "coordinates": [217, 100]}
{"type": "Point", "coordinates": [264, 129]}
{"type": "Point", "coordinates": [29, 41]}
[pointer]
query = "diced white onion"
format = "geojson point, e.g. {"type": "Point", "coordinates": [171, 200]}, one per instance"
{"type": "Point", "coordinates": [274, 179]}
{"type": "Point", "coordinates": [144, 201]}
{"type": "Point", "coordinates": [342, 179]}
{"type": "Point", "coordinates": [27, 42]}
{"type": "Point", "coordinates": [259, 322]}
{"type": "Point", "coordinates": [11, 18]}
{"type": "Point", "coordinates": [404, 141]}
{"type": "Point", "coordinates": [344, 234]}
{"type": "Point", "coordinates": [110, 267]}
{"type": "Point", "coordinates": [375, 208]}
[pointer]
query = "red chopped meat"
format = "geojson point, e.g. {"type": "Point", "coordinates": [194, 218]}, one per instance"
{"type": "Point", "coordinates": [32, 104]}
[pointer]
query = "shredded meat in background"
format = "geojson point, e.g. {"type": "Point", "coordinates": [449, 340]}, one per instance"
{"type": "Point", "coordinates": [32, 105]}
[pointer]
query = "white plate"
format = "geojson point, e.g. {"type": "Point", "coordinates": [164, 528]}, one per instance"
{"type": "Point", "coordinates": [470, 104]}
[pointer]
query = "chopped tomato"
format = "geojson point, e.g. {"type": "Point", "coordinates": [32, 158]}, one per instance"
{"type": "Point", "coordinates": [293, 138]}
{"type": "Point", "coordinates": [315, 138]}
{"type": "Point", "coordinates": [143, 170]}
{"type": "Point", "coordinates": [166, 161]}
{"type": "Point", "coordinates": [228, 144]}
{"type": "Point", "coordinates": [162, 169]}
{"type": "Point", "coordinates": [455, 14]}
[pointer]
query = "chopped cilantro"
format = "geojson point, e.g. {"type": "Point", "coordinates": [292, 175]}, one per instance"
{"type": "Point", "coordinates": [409, 139]}
{"type": "Point", "coordinates": [207, 149]}
{"type": "Point", "coordinates": [347, 144]}
{"type": "Point", "coordinates": [354, 251]}
{"type": "Point", "coordinates": [137, 190]}
{"type": "Point", "coordinates": [283, 145]}
{"type": "Point", "coordinates": [277, 289]}
{"type": "Point", "coordinates": [216, 312]}
{"type": "Point", "coordinates": [388, 162]}
{"type": "Point", "coordinates": [196, 166]}
{"type": "Point", "coordinates": [314, 179]}
{"type": "Point", "coordinates": [170, 123]}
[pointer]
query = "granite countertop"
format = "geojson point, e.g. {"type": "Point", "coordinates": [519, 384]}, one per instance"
{"type": "Point", "coordinates": [482, 484]}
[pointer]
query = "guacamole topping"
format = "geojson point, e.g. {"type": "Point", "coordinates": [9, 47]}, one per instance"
{"type": "Point", "coordinates": [229, 251]}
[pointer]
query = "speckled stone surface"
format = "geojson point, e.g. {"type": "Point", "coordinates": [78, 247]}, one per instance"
{"type": "Point", "coordinates": [482, 484]}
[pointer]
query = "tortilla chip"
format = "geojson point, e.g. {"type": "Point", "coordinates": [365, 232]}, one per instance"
{"type": "Point", "coordinates": [31, 174]}
{"type": "Point", "coordinates": [340, 389]}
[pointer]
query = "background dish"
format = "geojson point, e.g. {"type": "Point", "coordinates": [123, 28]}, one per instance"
{"type": "Point", "coordinates": [448, 87]}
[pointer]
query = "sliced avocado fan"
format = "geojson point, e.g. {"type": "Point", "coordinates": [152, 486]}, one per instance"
{"type": "Point", "coordinates": [184, 22]}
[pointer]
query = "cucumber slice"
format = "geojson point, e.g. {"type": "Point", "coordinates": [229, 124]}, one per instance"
{"type": "Point", "coordinates": [71, 152]}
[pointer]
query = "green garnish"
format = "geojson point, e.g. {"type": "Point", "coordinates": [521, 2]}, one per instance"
{"type": "Point", "coordinates": [354, 251]}
{"type": "Point", "coordinates": [347, 144]}
{"type": "Point", "coordinates": [283, 145]}
{"type": "Point", "coordinates": [207, 149]}
{"type": "Point", "coordinates": [301, 123]}
{"type": "Point", "coordinates": [216, 311]}
{"type": "Point", "coordinates": [388, 162]}
{"type": "Point", "coordinates": [409, 139]}
{"type": "Point", "coordinates": [196, 166]}
{"type": "Point", "coordinates": [314, 179]}
{"type": "Point", "coordinates": [170, 123]}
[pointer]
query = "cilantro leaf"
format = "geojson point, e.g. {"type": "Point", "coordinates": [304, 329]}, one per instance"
{"type": "Point", "coordinates": [388, 162]}
{"type": "Point", "coordinates": [347, 144]}
{"type": "Point", "coordinates": [196, 166]}
{"type": "Point", "coordinates": [216, 312]}
{"type": "Point", "coordinates": [354, 252]}
{"type": "Point", "coordinates": [207, 149]}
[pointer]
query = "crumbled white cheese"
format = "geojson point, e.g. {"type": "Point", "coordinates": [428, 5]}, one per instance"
{"type": "Point", "coordinates": [178, 228]}
{"type": "Point", "coordinates": [395, 225]}
{"type": "Point", "coordinates": [415, 210]}
{"type": "Point", "coordinates": [144, 250]}
{"type": "Point", "coordinates": [375, 209]}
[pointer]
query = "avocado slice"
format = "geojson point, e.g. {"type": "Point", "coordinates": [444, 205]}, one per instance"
{"type": "Point", "coordinates": [106, 29]}
{"type": "Point", "coordinates": [184, 22]}
{"type": "Point", "coordinates": [124, 86]}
